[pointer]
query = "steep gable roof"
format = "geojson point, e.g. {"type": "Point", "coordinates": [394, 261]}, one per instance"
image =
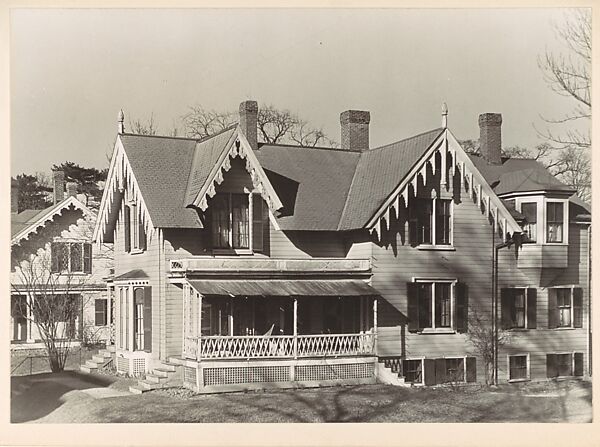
{"type": "Point", "coordinates": [29, 221]}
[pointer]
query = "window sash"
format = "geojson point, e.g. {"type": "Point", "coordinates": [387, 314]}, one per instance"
{"type": "Point", "coordinates": [442, 305]}
{"type": "Point", "coordinates": [443, 222]}
{"type": "Point", "coordinates": [517, 367]}
{"type": "Point", "coordinates": [564, 304]}
{"type": "Point", "coordinates": [100, 312]}
{"type": "Point", "coordinates": [424, 220]}
{"type": "Point", "coordinates": [134, 227]}
{"type": "Point", "coordinates": [435, 305]}
{"type": "Point", "coordinates": [240, 221]}
{"type": "Point", "coordinates": [554, 222]}
{"type": "Point", "coordinates": [519, 308]}
{"type": "Point", "coordinates": [564, 365]}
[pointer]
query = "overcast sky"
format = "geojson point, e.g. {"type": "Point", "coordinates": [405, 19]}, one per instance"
{"type": "Point", "coordinates": [72, 70]}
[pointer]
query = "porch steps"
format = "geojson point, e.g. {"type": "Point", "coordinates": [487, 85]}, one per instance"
{"type": "Point", "coordinates": [98, 360]}
{"type": "Point", "coordinates": [167, 375]}
{"type": "Point", "coordinates": [389, 371]}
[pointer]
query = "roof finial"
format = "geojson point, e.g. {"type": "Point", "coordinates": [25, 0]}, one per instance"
{"type": "Point", "coordinates": [121, 124]}
{"type": "Point", "coordinates": [444, 115]}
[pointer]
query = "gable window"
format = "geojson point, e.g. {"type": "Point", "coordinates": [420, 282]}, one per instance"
{"type": "Point", "coordinates": [565, 307]}
{"type": "Point", "coordinates": [519, 308]}
{"type": "Point", "coordinates": [134, 231]}
{"type": "Point", "coordinates": [71, 257]}
{"type": "Point", "coordinates": [518, 367]}
{"type": "Point", "coordinates": [238, 221]}
{"type": "Point", "coordinates": [529, 209]}
{"type": "Point", "coordinates": [430, 222]}
{"type": "Point", "coordinates": [432, 305]}
{"type": "Point", "coordinates": [554, 222]}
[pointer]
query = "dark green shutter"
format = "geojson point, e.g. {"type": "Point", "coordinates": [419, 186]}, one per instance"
{"type": "Point", "coordinates": [429, 371]}
{"type": "Point", "coordinates": [462, 307]}
{"type": "Point", "coordinates": [148, 319]}
{"type": "Point", "coordinates": [471, 369]}
{"type": "Point", "coordinates": [413, 306]}
{"type": "Point", "coordinates": [578, 307]}
{"type": "Point", "coordinates": [257, 223]}
{"type": "Point", "coordinates": [551, 367]}
{"type": "Point", "coordinates": [54, 247]}
{"type": "Point", "coordinates": [578, 364]}
{"type": "Point", "coordinates": [506, 302]}
{"type": "Point", "coordinates": [553, 317]}
{"type": "Point", "coordinates": [532, 308]}
{"type": "Point", "coordinates": [141, 233]}
{"type": "Point", "coordinates": [440, 371]}
{"type": "Point", "coordinates": [87, 258]}
{"type": "Point", "coordinates": [126, 229]}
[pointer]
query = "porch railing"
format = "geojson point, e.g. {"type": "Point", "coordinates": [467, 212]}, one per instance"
{"type": "Point", "coordinates": [280, 346]}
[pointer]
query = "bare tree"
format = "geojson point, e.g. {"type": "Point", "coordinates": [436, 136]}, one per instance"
{"type": "Point", "coordinates": [140, 127]}
{"type": "Point", "coordinates": [481, 334]}
{"type": "Point", "coordinates": [200, 123]}
{"type": "Point", "coordinates": [569, 75]}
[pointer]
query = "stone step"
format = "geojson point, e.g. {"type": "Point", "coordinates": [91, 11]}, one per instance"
{"type": "Point", "coordinates": [87, 369]}
{"type": "Point", "coordinates": [99, 359]}
{"type": "Point", "coordinates": [174, 361]}
{"type": "Point", "coordinates": [135, 389]}
{"type": "Point", "coordinates": [162, 372]}
{"type": "Point", "coordinates": [91, 364]}
{"type": "Point", "coordinates": [145, 384]}
{"type": "Point", "coordinates": [156, 378]}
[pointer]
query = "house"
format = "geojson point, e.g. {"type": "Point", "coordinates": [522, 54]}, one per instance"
{"type": "Point", "coordinates": [52, 255]}
{"type": "Point", "coordinates": [246, 265]}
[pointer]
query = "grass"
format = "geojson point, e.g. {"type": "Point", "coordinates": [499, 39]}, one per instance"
{"type": "Point", "coordinates": [64, 401]}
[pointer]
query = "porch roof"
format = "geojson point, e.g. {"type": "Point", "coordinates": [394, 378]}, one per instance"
{"type": "Point", "coordinates": [281, 287]}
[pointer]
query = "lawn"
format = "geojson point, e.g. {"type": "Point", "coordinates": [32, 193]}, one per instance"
{"type": "Point", "coordinates": [72, 397]}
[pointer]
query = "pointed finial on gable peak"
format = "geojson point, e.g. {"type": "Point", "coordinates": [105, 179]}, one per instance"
{"type": "Point", "coordinates": [121, 122]}
{"type": "Point", "coordinates": [444, 115]}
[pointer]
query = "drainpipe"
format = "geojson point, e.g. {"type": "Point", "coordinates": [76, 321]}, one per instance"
{"type": "Point", "coordinates": [589, 287]}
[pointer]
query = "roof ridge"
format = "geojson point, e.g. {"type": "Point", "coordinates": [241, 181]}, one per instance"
{"type": "Point", "coordinates": [338, 149]}
{"type": "Point", "coordinates": [197, 140]}
{"type": "Point", "coordinates": [438, 129]}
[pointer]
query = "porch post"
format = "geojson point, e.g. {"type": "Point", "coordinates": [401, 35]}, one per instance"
{"type": "Point", "coordinates": [230, 316]}
{"type": "Point", "coordinates": [185, 316]}
{"type": "Point", "coordinates": [295, 328]}
{"type": "Point", "coordinates": [29, 319]}
{"type": "Point", "coordinates": [375, 325]}
{"type": "Point", "coordinates": [108, 312]}
{"type": "Point", "coordinates": [130, 323]}
{"type": "Point", "coordinates": [198, 356]}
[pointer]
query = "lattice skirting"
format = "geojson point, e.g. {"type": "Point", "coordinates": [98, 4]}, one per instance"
{"type": "Point", "coordinates": [246, 374]}
{"type": "Point", "coordinates": [189, 376]}
{"type": "Point", "coordinates": [123, 365]}
{"type": "Point", "coordinates": [335, 372]}
{"type": "Point", "coordinates": [132, 365]}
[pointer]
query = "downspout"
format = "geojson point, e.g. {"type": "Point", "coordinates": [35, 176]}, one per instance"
{"type": "Point", "coordinates": [589, 288]}
{"type": "Point", "coordinates": [494, 354]}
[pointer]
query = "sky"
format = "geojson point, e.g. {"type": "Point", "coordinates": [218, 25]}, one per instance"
{"type": "Point", "coordinates": [72, 70]}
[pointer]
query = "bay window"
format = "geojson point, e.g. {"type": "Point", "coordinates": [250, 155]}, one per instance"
{"type": "Point", "coordinates": [529, 209]}
{"type": "Point", "coordinates": [554, 222]}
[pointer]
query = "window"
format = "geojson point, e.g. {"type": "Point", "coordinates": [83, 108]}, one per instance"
{"type": "Point", "coordinates": [519, 308]}
{"type": "Point", "coordinates": [413, 371]}
{"type": "Point", "coordinates": [518, 367]}
{"type": "Point", "coordinates": [565, 307]}
{"type": "Point", "coordinates": [429, 227]}
{"type": "Point", "coordinates": [138, 319]}
{"type": "Point", "coordinates": [71, 257]}
{"type": "Point", "coordinates": [434, 302]}
{"type": "Point", "coordinates": [100, 312]}
{"type": "Point", "coordinates": [235, 217]}
{"type": "Point", "coordinates": [564, 364]}
{"type": "Point", "coordinates": [554, 222]}
{"type": "Point", "coordinates": [455, 370]}
{"type": "Point", "coordinates": [529, 210]}
{"type": "Point", "coordinates": [134, 230]}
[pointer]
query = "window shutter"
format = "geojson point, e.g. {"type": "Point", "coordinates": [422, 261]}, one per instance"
{"type": "Point", "coordinates": [551, 367]}
{"type": "Point", "coordinates": [126, 229]}
{"type": "Point", "coordinates": [577, 307]}
{"type": "Point", "coordinates": [506, 300]}
{"type": "Point", "coordinates": [471, 369]}
{"type": "Point", "coordinates": [553, 317]}
{"type": "Point", "coordinates": [429, 373]}
{"type": "Point", "coordinates": [462, 307]}
{"type": "Point", "coordinates": [257, 223]}
{"type": "Point", "coordinates": [87, 258]}
{"type": "Point", "coordinates": [100, 312]}
{"type": "Point", "coordinates": [141, 234]}
{"type": "Point", "coordinates": [148, 319]}
{"type": "Point", "coordinates": [578, 364]}
{"type": "Point", "coordinates": [413, 306]}
{"type": "Point", "coordinates": [54, 254]}
{"type": "Point", "coordinates": [440, 371]}
{"type": "Point", "coordinates": [532, 308]}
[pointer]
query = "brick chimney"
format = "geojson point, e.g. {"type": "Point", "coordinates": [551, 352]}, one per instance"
{"type": "Point", "coordinates": [355, 130]}
{"type": "Point", "coordinates": [14, 196]}
{"type": "Point", "coordinates": [71, 189]}
{"type": "Point", "coordinates": [490, 137]}
{"type": "Point", "coordinates": [248, 121]}
{"type": "Point", "coordinates": [58, 177]}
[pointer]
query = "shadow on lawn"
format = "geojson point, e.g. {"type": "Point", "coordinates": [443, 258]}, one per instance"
{"type": "Point", "coordinates": [33, 397]}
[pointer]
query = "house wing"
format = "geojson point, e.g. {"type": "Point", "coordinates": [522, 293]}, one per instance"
{"type": "Point", "coordinates": [30, 221]}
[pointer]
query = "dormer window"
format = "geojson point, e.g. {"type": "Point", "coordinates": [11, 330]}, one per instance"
{"type": "Point", "coordinates": [238, 222]}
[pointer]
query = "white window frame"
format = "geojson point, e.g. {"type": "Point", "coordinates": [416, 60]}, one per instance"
{"type": "Point", "coordinates": [541, 202]}
{"type": "Point", "coordinates": [464, 359]}
{"type": "Point", "coordinates": [520, 354]}
{"type": "Point", "coordinates": [572, 293]}
{"type": "Point", "coordinates": [417, 359]}
{"type": "Point", "coordinates": [434, 245]}
{"type": "Point", "coordinates": [452, 282]}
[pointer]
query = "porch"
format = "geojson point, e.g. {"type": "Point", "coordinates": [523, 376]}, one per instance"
{"type": "Point", "coordinates": [244, 334]}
